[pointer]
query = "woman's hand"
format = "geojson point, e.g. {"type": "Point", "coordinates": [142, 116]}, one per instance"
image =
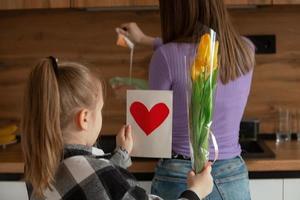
{"type": "Point", "coordinates": [124, 138]}
{"type": "Point", "coordinates": [202, 183]}
{"type": "Point", "coordinates": [135, 34]}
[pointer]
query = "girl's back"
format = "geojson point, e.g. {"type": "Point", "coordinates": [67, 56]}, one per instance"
{"type": "Point", "coordinates": [83, 176]}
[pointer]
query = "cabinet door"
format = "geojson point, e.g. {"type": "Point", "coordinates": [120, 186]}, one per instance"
{"type": "Point", "coordinates": [286, 2]}
{"type": "Point", "coordinates": [13, 190]}
{"type": "Point", "coordinates": [128, 3]}
{"type": "Point", "coordinates": [31, 4]}
{"type": "Point", "coordinates": [264, 189]}
{"type": "Point", "coordinates": [248, 2]}
{"type": "Point", "coordinates": [291, 189]}
{"type": "Point", "coordinates": [112, 3]}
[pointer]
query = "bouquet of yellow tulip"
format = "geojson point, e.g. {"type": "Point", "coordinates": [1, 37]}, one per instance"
{"type": "Point", "coordinates": [204, 70]}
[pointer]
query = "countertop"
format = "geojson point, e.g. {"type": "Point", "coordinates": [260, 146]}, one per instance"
{"type": "Point", "coordinates": [287, 158]}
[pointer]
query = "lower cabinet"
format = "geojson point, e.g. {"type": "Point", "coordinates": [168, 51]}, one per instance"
{"type": "Point", "coordinates": [13, 190]}
{"type": "Point", "coordinates": [291, 189]}
{"type": "Point", "coordinates": [275, 189]}
{"type": "Point", "coordinates": [263, 189]}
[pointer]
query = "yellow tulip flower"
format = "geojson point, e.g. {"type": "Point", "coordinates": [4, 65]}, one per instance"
{"type": "Point", "coordinates": [202, 60]}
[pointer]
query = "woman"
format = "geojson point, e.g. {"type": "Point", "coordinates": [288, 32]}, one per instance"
{"type": "Point", "coordinates": [181, 25]}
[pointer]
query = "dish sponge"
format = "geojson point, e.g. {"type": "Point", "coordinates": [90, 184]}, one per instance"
{"type": "Point", "coordinates": [124, 41]}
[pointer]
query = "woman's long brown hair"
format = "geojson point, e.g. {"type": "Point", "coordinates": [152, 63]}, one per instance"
{"type": "Point", "coordinates": [50, 104]}
{"type": "Point", "coordinates": [182, 21]}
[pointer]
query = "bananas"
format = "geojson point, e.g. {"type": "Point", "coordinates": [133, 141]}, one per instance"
{"type": "Point", "coordinates": [7, 139]}
{"type": "Point", "coordinates": [6, 134]}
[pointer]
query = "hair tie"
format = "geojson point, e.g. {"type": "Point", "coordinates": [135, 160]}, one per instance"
{"type": "Point", "coordinates": [54, 64]}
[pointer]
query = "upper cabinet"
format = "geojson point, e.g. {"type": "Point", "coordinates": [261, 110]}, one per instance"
{"type": "Point", "coordinates": [286, 2]}
{"type": "Point", "coordinates": [248, 2]}
{"type": "Point", "coordinates": [112, 3]}
{"type": "Point", "coordinates": [141, 3]}
{"type": "Point", "coordinates": [44, 4]}
{"type": "Point", "coordinates": [33, 4]}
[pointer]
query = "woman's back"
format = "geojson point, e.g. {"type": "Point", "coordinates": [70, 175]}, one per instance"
{"type": "Point", "coordinates": [168, 70]}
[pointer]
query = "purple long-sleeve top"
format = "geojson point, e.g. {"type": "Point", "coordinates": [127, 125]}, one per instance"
{"type": "Point", "coordinates": [168, 71]}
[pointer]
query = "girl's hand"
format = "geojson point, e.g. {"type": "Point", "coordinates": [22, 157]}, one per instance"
{"type": "Point", "coordinates": [201, 184]}
{"type": "Point", "coordinates": [124, 138]}
{"type": "Point", "coordinates": [135, 34]}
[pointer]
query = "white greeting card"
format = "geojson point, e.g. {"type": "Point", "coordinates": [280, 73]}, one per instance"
{"type": "Point", "coordinates": [149, 112]}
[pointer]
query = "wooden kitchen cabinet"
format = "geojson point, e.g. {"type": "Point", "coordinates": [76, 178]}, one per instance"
{"type": "Point", "coordinates": [44, 4]}
{"type": "Point", "coordinates": [112, 3]}
{"type": "Point", "coordinates": [141, 3]}
{"type": "Point", "coordinates": [286, 2]}
{"type": "Point", "coordinates": [33, 4]}
{"type": "Point", "coordinates": [248, 2]}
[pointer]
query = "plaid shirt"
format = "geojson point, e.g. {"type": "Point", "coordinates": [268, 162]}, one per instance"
{"type": "Point", "coordinates": [83, 175]}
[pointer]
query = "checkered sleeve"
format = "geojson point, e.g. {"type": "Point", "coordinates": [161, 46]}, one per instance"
{"type": "Point", "coordinates": [121, 158]}
{"type": "Point", "coordinates": [120, 184]}
{"type": "Point", "coordinates": [187, 195]}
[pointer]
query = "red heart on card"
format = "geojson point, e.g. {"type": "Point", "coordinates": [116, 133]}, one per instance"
{"type": "Point", "coordinates": [148, 121]}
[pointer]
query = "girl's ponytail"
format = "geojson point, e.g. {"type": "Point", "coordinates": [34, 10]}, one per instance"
{"type": "Point", "coordinates": [43, 143]}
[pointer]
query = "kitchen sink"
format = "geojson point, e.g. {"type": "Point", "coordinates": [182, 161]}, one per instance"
{"type": "Point", "coordinates": [256, 149]}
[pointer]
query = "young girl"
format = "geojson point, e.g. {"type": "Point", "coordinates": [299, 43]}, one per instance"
{"type": "Point", "coordinates": [61, 122]}
{"type": "Point", "coordinates": [181, 23]}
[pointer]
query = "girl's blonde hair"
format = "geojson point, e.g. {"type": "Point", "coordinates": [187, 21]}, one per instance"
{"type": "Point", "coordinates": [52, 99]}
